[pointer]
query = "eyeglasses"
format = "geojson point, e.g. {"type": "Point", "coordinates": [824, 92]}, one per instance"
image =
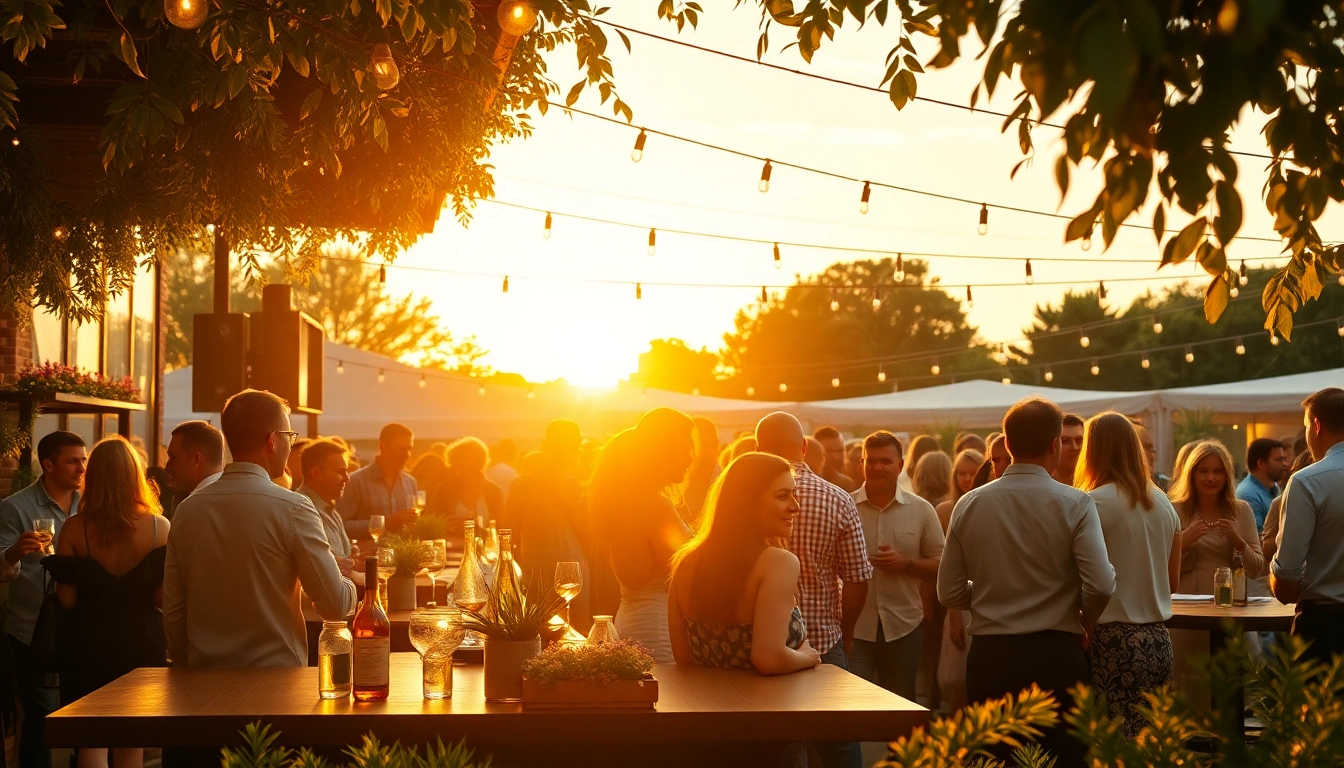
{"type": "Point", "coordinates": [290, 436]}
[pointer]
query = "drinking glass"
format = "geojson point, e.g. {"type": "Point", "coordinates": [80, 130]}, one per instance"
{"type": "Point", "coordinates": [603, 631]}
{"type": "Point", "coordinates": [436, 559]}
{"type": "Point", "coordinates": [1222, 587]}
{"type": "Point", "coordinates": [568, 583]}
{"type": "Point", "coordinates": [421, 499]}
{"type": "Point", "coordinates": [436, 632]}
{"type": "Point", "coordinates": [377, 525]}
{"type": "Point", "coordinates": [45, 528]}
{"type": "Point", "coordinates": [387, 566]}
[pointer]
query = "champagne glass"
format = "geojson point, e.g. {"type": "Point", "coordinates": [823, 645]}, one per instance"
{"type": "Point", "coordinates": [377, 525]}
{"type": "Point", "coordinates": [45, 528]}
{"type": "Point", "coordinates": [568, 583]}
{"type": "Point", "coordinates": [435, 560]}
{"type": "Point", "coordinates": [387, 567]}
{"type": "Point", "coordinates": [436, 632]}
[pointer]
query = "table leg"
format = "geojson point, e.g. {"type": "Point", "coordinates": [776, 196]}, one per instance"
{"type": "Point", "coordinates": [1217, 642]}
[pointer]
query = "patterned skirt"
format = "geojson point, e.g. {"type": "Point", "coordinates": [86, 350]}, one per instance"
{"type": "Point", "coordinates": [1129, 660]}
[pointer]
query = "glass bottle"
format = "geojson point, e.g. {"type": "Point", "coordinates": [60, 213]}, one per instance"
{"type": "Point", "coordinates": [491, 551]}
{"type": "Point", "coordinates": [1222, 587]}
{"type": "Point", "coordinates": [333, 661]}
{"type": "Point", "coordinates": [603, 631]}
{"type": "Point", "coordinates": [470, 591]}
{"type": "Point", "coordinates": [507, 583]}
{"type": "Point", "coordinates": [1238, 580]}
{"type": "Point", "coordinates": [372, 643]}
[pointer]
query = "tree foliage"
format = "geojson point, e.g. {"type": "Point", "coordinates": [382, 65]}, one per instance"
{"type": "Point", "coordinates": [670, 364]}
{"type": "Point", "coordinates": [1148, 91]}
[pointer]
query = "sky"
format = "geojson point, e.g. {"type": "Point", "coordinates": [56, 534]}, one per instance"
{"type": "Point", "coordinates": [551, 324]}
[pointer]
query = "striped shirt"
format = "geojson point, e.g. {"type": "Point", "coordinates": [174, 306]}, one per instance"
{"type": "Point", "coordinates": [368, 494]}
{"type": "Point", "coordinates": [828, 540]}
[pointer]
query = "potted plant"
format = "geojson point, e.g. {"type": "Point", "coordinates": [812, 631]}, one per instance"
{"type": "Point", "coordinates": [615, 675]}
{"type": "Point", "coordinates": [512, 622]}
{"type": "Point", "coordinates": [408, 553]}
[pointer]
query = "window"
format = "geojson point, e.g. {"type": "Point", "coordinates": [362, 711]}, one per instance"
{"type": "Point", "coordinates": [118, 323]}
{"type": "Point", "coordinates": [47, 331]}
{"type": "Point", "coordinates": [142, 345]}
{"type": "Point", "coordinates": [85, 346]}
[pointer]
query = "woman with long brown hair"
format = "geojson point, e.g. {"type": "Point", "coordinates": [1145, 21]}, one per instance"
{"type": "Point", "coordinates": [1130, 650]}
{"type": "Point", "coordinates": [108, 568]}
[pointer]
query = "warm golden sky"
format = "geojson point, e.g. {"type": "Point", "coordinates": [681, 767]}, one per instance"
{"type": "Point", "coordinates": [548, 328]}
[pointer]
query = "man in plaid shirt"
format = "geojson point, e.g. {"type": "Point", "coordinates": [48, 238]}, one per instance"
{"type": "Point", "coordinates": [828, 540]}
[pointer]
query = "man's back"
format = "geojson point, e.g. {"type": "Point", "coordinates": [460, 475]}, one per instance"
{"type": "Point", "coordinates": [828, 540]}
{"type": "Point", "coordinates": [239, 551]}
{"type": "Point", "coordinates": [1033, 549]}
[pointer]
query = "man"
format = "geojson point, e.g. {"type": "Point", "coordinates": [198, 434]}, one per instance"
{"type": "Point", "coordinates": [1150, 454]}
{"type": "Point", "coordinates": [503, 471]}
{"type": "Point", "coordinates": [834, 446]}
{"type": "Point", "coordinates": [1309, 566]}
{"type": "Point", "coordinates": [969, 441]}
{"type": "Point", "coordinates": [705, 470]}
{"type": "Point", "coordinates": [53, 496]}
{"type": "Point", "coordinates": [905, 543]}
{"type": "Point", "coordinates": [828, 540]}
{"type": "Point", "coordinates": [1025, 555]}
{"type": "Point", "coordinates": [546, 511]}
{"type": "Point", "coordinates": [814, 456]}
{"type": "Point", "coordinates": [195, 457]}
{"type": "Point", "coordinates": [384, 487]}
{"type": "Point", "coordinates": [325, 475]}
{"type": "Point", "coordinates": [1071, 447]}
{"type": "Point", "coordinates": [1267, 463]}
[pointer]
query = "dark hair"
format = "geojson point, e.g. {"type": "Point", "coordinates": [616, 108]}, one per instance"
{"type": "Point", "coordinates": [394, 430]}
{"type": "Point", "coordinates": [1259, 450]}
{"type": "Point", "coordinates": [248, 417]}
{"type": "Point", "coordinates": [1030, 426]}
{"type": "Point", "coordinates": [1327, 407]}
{"type": "Point", "coordinates": [1303, 460]}
{"type": "Point", "coordinates": [317, 452]}
{"type": "Point", "coordinates": [882, 439]}
{"type": "Point", "coordinates": [563, 432]}
{"type": "Point", "coordinates": [51, 445]}
{"type": "Point", "coordinates": [1072, 420]}
{"type": "Point", "coordinates": [983, 474]}
{"type": "Point", "coordinates": [201, 437]}
{"type": "Point", "coordinates": [827, 433]}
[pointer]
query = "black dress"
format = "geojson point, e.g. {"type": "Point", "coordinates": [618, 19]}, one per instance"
{"type": "Point", "coordinates": [115, 625]}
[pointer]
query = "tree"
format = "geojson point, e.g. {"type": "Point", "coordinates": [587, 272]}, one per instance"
{"type": "Point", "coordinates": [1148, 91]}
{"type": "Point", "coordinates": [282, 125]}
{"type": "Point", "coordinates": [670, 364]}
{"type": "Point", "coordinates": [799, 341]}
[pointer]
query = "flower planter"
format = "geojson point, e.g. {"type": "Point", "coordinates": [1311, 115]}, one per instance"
{"type": "Point", "coordinates": [401, 593]}
{"type": "Point", "coordinates": [618, 694]}
{"type": "Point", "coordinates": [504, 667]}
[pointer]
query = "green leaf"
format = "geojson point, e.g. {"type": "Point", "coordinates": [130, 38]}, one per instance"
{"type": "Point", "coordinates": [1182, 245]}
{"type": "Point", "coordinates": [1215, 299]}
{"type": "Point", "coordinates": [1212, 258]}
{"type": "Point", "coordinates": [574, 92]}
{"type": "Point", "coordinates": [128, 54]}
{"type": "Point", "coordinates": [310, 103]}
{"type": "Point", "coordinates": [1082, 224]}
{"type": "Point", "coordinates": [1228, 222]}
{"type": "Point", "coordinates": [1159, 222]}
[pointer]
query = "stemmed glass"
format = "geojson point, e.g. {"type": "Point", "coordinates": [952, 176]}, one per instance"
{"type": "Point", "coordinates": [45, 528]}
{"type": "Point", "coordinates": [436, 632]}
{"type": "Point", "coordinates": [387, 567]}
{"type": "Point", "coordinates": [568, 583]}
{"type": "Point", "coordinates": [377, 525]}
{"type": "Point", "coordinates": [436, 559]}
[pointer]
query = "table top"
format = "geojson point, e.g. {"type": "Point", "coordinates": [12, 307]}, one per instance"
{"type": "Point", "coordinates": [1271, 616]}
{"type": "Point", "coordinates": [184, 707]}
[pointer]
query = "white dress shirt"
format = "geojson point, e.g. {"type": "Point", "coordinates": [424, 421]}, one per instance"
{"type": "Point", "coordinates": [1312, 529]}
{"type": "Point", "coordinates": [239, 551]}
{"type": "Point", "coordinates": [1025, 554]}
{"type": "Point", "coordinates": [908, 525]}
{"type": "Point", "coordinates": [1138, 544]}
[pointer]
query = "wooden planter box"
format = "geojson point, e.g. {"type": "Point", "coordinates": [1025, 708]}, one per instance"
{"type": "Point", "coordinates": [622, 694]}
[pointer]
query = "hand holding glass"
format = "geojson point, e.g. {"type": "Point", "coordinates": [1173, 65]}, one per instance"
{"type": "Point", "coordinates": [436, 632]}
{"type": "Point", "coordinates": [45, 528]}
{"type": "Point", "coordinates": [421, 499]}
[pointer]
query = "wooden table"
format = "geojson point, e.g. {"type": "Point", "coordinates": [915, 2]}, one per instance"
{"type": "Point", "coordinates": [700, 709]}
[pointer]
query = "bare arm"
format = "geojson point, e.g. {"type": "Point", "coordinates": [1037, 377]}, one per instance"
{"type": "Point", "coordinates": [1269, 538]}
{"type": "Point", "coordinates": [1252, 557]}
{"type": "Point", "coordinates": [1174, 563]}
{"type": "Point", "coordinates": [1094, 566]}
{"type": "Point", "coordinates": [770, 653]}
{"type": "Point", "coordinates": [676, 620]}
{"type": "Point", "coordinates": [853, 596]}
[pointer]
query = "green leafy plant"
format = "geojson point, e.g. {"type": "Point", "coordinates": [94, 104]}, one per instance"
{"type": "Point", "coordinates": [55, 377]}
{"type": "Point", "coordinates": [408, 552]}
{"type": "Point", "coordinates": [512, 615]}
{"type": "Point", "coordinates": [966, 737]}
{"type": "Point", "coordinates": [603, 663]}
{"type": "Point", "coordinates": [259, 751]}
{"type": "Point", "coordinates": [430, 527]}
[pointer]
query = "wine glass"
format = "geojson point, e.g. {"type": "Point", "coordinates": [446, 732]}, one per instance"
{"type": "Point", "coordinates": [436, 632]}
{"type": "Point", "coordinates": [435, 560]}
{"type": "Point", "coordinates": [387, 567]}
{"type": "Point", "coordinates": [421, 499]}
{"type": "Point", "coordinates": [45, 528]}
{"type": "Point", "coordinates": [568, 583]}
{"type": "Point", "coordinates": [377, 525]}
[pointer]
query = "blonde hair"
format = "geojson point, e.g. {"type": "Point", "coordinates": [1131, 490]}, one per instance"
{"type": "Point", "coordinates": [1183, 494]}
{"type": "Point", "coordinates": [932, 477]}
{"type": "Point", "coordinates": [968, 454]}
{"type": "Point", "coordinates": [1112, 453]}
{"type": "Point", "coordinates": [116, 492]}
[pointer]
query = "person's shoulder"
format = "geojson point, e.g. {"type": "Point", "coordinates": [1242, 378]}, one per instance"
{"type": "Point", "coordinates": [25, 495]}
{"type": "Point", "coordinates": [778, 560]}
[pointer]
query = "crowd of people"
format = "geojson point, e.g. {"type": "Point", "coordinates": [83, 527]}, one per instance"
{"type": "Point", "coordinates": [1046, 553]}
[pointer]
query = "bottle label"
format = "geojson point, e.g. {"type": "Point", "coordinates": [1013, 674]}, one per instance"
{"type": "Point", "coordinates": [372, 657]}
{"type": "Point", "coordinates": [1239, 587]}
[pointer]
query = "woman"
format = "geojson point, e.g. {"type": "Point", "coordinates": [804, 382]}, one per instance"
{"type": "Point", "coordinates": [919, 446]}
{"type": "Point", "coordinates": [1130, 648]}
{"type": "Point", "coordinates": [931, 478]}
{"type": "Point", "coordinates": [429, 470]}
{"type": "Point", "coordinates": [964, 470]}
{"type": "Point", "coordinates": [108, 569]}
{"type": "Point", "coordinates": [465, 492]}
{"type": "Point", "coordinates": [635, 528]}
{"type": "Point", "coordinates": [941, 624]}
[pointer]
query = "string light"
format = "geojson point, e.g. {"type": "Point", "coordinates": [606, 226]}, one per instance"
{"type": "Point", "coordinates": [58, 233]}
{"type": "Point", "coordinates": [877, 298]}
{"type": "Point", "coordinates": [778, 263]}
{"type": "Point", "coordinates": [1145, 362]}
{"type": "Point", "coordinates": [506, 284]}
{"type": "Point", "coordinates": [1189, 354]}
{"type": "Point", "coordinates": [970, 300]}
{"type": "Point", "coordinates": [835, 300]}
{"type": "Point", "coordinates": [881, 374]}
{"type": "Point", "coordinates": [1101, 291]}
{"type": "Point", "coordinates": [653, 240]}
{"type": "Point", "coordinates": [184, 14]}
{"type": "Point", "coordinates": [385, 72]}
{"type": "Point", "coordinates": [546, 232]}
{"type": "Point", "coordinates": [1006, 381]}
{"type": "Point", "coordinates": [1157, 323]}
{"type": "Point", "coordinates": [423, 382]}
{"type": "Point", "coordinates": [764, 184]}
{"type": "Point", "coordinates": [1087, 237]}
{"type": "Point", "coordinates": [783, 387]}
{"type": "Point", "coordinates": [1030, 278]}
{"type": "Point", "coordinates": [935, 369]}
{"type": "Point", "coordinates": [516, 17]}
{"type": "Point", "coordinates": [1096, 367]}
{"type": "Point", "coordinates": [340, 366]}
{"type": "Point", "coordinates": [1341, 327]}
{"type": "Point", "coordinates": [381, 376]}
{"type": "Point", "coordinates": [637, 153]}
{"type": "Point", "coordinates": [1243, 277]}
{"type": "Point", "coordinates": [765, 297]}
{"type": "Point", "coordinates": [639, 291]}
{"type": "Point", "coordinates": [863, 199]}
{"type": "Point", "coordinates": [1241, 347]}
{"type": "Point", "coordinates": [1273, 338]}
{"type": "Point", "coordinates": [900, 268]}
{"type": "Point", "coordinates": [751, 391]}
{"type": "Point", "coordinates": [15, 142]}
{"type": "Point", "coordinates": [382, 275]}
{"type": "Point", "coordinates": [1234, 292]}
{"type": "Point", "coordinates": [1084, 341]}
{"type": "Point", "coordinates": [481, 391]}
{"type": "Point", "coordinates": [835, 381]}
{"type": "Point", "coordinates": [1049, 375]}
{"type": "Point", "coordinates": [983, 229]}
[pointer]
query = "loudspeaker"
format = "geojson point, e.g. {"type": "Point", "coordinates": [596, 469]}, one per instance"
{"type": "Point", "coordinates": [219, 367]}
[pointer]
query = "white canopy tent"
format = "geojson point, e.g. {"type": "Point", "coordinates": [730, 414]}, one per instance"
{"type": "Point", "coordinates": [1276, 399]}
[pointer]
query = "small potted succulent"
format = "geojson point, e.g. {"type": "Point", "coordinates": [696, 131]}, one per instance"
{"type": "Point", "coordinates": [409, 553]}
{"type": "Point", "coordinates": [512, 622]}
{"type": "Point", "coordinates": [615, 675]}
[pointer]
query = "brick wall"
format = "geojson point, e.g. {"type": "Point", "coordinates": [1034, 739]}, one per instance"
{"type": "Point", "coordinates": [16, 353]}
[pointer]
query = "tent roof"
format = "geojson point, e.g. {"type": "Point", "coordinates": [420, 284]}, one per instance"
{"type": "Point", "coordinates": [1276, 394]}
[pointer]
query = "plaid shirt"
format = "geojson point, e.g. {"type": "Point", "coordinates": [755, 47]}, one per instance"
{"type": "Point", "coordinates": [828, 540]}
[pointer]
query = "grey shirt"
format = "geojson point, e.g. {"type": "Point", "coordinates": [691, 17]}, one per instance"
{"type": "Point", "coordinates": [368, 494]}
{"type": "Point", "coordinates": [240, 551]}
{"type": "Point", "coordinates": [1312, 529]}
{"type": "Point", "coordinates": [17, 514]}
{"type": "Point", "coordinates": [331, 523]}
{"type": "Point", "coordinates": [1026, 554]}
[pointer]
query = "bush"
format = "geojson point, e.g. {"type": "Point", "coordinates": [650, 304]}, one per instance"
{"type": "Point", "coordinates": [259, 751]}
{"type": "Point", "coordinates": [604, 663]}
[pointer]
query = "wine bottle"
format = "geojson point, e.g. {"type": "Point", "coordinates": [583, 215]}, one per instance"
{"type": "Point", "coordinates": [372, 642]}
{"type": "Point", "coordinates": [506, 577]}
{"type": "Point", "coordinates": [1238, 580]}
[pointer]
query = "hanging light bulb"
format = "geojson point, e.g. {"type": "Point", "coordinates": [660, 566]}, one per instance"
{"type": "Point", "coordinates": [783, 387]}
{"type": "Point", "coordinates": [1087, 237]}
{"type": "Point", "coordinates": [1234, 292]}
{"type": "Point", "coordinates": [546, 233]}
{"type": "Point", "coordinates": [506, 284]}
{"type": "Point", "coordinates": [935, 369]}
{"type": "Point", "coordinates": [751, 391]}
{"type": "Point", "coordinates": [765, 297]}
{"type": "Point", "coordinates": [381, 376]}
{"type": "Point", "coordinates": [1241, 347]}
{"type": "Point", "coordinates": [835, 300]}
{"type": "Point", "coordinates": [481, 391]}
{"type": "Point", "coordinates": [983, 229]}
{"type": "Point", "coordinates": [653, 241]}
{"type": "Point", "coordinates": [422, 381]}
{"type": "Point", "coordinates": [900, 268]}
{"type": "Point", "coordinates": [1341, 327]}
{"type": "Point", "coordinates": [695, 392]}
{"type": "Point", "coordinates": [877, 298]}
{"type": "Point", "coordinates": [1084, 341]}
{"type": "Point", "coordinates": [1006, 381]}
{"type": "Point", "coordinates": [863, 199]}
{"type": "Point", "coordinates": [1030, 279]}
{"type": "Point", "coordinates": [778, 263]}
{"type": "Point", "coordinates": [970, 300]}
{"type": "Point", "coordinates": [340, 366]}
{"type": "Point", "coordinates": [1243, 277]}
{"type": "Point", "coordinates": [764, 184]}
{"type": "Point", "coordinates": [385, 72]}
{"type": "Point", "coordinates": [881, 374]}
{"type": "Point", "coordinates": [639, 291]}
{"type": "Point", "coordinates": [1189, 354]}
{"type": "Point", "coordinates": [1144, 362]}
{"type": "Point", "coordinates": [637, 153]}
{"type": "Point", "coordinates": [835, 381]}
{"type": "Point", "coordinates": [1341, 274]}
{"type": "Point", "coordinates": [1157, 323]}
{"type": "Point", "coordinates": [516, 17]}
{"type": "Point", "coordinates": [1273, 338]}
{"type": "Point", "coordinates": [1096, 367]}
{"type": "Point", "coordinates": [1049, 375]}
{"type": "Point", "coordinates": [183, 14]}
{"type": "Point", "coordinates": [531, 394]}
{"type": "Point", "coordinates": [1101, 291]}
{"type": "Point", "coordinates": [15, 142]}
{"type": "Point", "coordinates": [382, 274]}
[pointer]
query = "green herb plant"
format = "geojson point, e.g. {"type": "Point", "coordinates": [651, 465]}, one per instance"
{"type": "Point", "coordinates": [260, 751]}
{"type": "Point", "coordinates": [408, 552]}
{"type": "Point", "coordinates": [604, 663]}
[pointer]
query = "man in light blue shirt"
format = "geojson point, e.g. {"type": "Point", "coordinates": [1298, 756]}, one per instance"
{"type": "Point", "coordinates": [1309, 566]}
{"type": "Point", "coordinates": [55, 496]}
{"type": "Point", "coordinates": [1267, 462]}
{"type": "Point", "coordinates": [384, 487]}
